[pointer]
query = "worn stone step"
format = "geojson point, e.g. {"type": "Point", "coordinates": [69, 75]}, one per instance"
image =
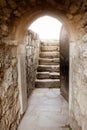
{"type": "Point", "coordinates": [50, 43]}
{"type": "Point", "coordinates": [49, 68]}
{"type": "Point", "coordinates": [45, 61]}
{"type": "Point", "coordinates": [48, 75]}
{"type": "Point", "coordinates": [49, 48]}
{"type": "Point", "coordinates": [49, 54]}
{"type": "Point", "coordinates": [47, 83]}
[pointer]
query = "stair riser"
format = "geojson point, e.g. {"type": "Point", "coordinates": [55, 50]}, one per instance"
{"type": "Point", "coordinates": [48, 69]}
{"type": "Point", "coordinates": [47, 76]}
{"type": "Point", "coordinates": [55, 84]}
{"type": "Point", "coordinates": [49, 48]}
{"type": "Point", "coordinates": [42, 76]}
{"type": "Point", "coordinates": [45, 62]}
{"type": "Point", "coordinates": [50, 44]}
{"type": "Point", "coordinates": [49, 55]}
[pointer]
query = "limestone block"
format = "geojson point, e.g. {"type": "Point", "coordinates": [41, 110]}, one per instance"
{"type": "Point", "coordinates": [4, 28]}
{"type": "Point", "coordinates": [8, 81]}
{"type": "Point", "coordinates": [12, 4]}
{"type": "Point", "coordinates": [2, 3]}
{"type": "Point", "coordinates": [85, 18]}
{"type": "Point", "coordinates": [83, 48]}
{"type": "Point", "coordinates": [14, 62]}
{"type": "Point", "coordinates": [85, 38]}
{"type": "Point", "coordinates": [73, 8]}
{"type": "Point", "coordinates": [70, 16]}
{"type": "Point", "coordinates": [32, 53]}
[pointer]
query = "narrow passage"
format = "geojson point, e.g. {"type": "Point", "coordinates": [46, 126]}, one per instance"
{"type": "Point", "coordinates": [47, 110]}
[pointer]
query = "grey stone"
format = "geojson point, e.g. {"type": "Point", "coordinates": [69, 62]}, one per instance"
{"type": "Point", "coordinates": [85, 38]}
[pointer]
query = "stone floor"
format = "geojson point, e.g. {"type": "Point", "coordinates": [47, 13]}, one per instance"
{"type": "Point", "coordinates": [47, 110]}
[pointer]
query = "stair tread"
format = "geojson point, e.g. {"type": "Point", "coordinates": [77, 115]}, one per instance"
{"type": "Point", "coordinates": [48, 43]}
{"type": "Point", "coordinates": [49, 59]}
{"type": "Point", "coordinates": [48, 52]}
{"type": "Point", "coordinates": [51, 73]}
{"type": "Point", "coordinates": [48, 65]}
{"type": "Point", "coordinates": [47, 80]}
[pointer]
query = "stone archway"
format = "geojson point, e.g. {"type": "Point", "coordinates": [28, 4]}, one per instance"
{"type": "Point", "coordinates": [73, 14]}
{"type": "Point", "coordinates": [20, 34]}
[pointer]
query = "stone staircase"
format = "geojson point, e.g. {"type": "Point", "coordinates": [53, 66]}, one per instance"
{"type": "Point", "coordinates": [48, 71]}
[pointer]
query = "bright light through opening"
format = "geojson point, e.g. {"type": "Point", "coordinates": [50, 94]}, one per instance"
{"type": "Point", "coordinates": [47, 27]}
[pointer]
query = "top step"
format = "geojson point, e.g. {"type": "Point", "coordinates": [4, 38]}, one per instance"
{"type": "Point", "coordinates": [50, 43]}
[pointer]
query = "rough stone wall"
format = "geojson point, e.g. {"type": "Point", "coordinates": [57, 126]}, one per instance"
{"type": "Point", "coordinates": [32, 54]}
{"type": "Point", "coordinates": [78, 83]}
{"type": "Point", "coordinates": [64, 62]}
{"type": "Point", "coordinates": [9, 93]}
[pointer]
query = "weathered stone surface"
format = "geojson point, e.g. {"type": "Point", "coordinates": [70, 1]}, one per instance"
{"type": "Point", "coordinates": [2, 3]}
{"type": "Point", "coordinates": [48, 75]}
{"type": "Point", "coordinates": [51, 54]}
{"type": "Point", "coordinates": [9, 93]}
{"type": "Point", "coordinates": [16, 15]}
{"type": "Point", "coordinates": [12, 4]}
{"type": "Point", "coordinates": [46, 61]}
{"type": "Point", "coordinates": [47, 83]}
{"type": "Point", "coordinates": [85, 18]}
{"type": "Point", "coordinates": [32, 54]}
{"type": "Point", "coordinates": [49, 48]}
{"type": "Point", "coordinates": [50, 68]}
{"type": "Point", "coordinates": [85, 38]}
{"type": "Point", "coordinates": [74, 7]}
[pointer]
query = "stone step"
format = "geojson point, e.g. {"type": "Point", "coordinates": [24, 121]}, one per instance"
{"type": "Point", "coordinates": [47, 83]}
{"type": "Point", "coordinates": [48, 75]}
{"type": "Point", "coordinates": [45, 61]}
{"type": "Point", "coordinates": [49, 54]}
{"type": "Point", "coordinates": [53, 43]}
{"type": "Point", "coordinates": [49, 48]}
{"type": "Point", "coordinates": [48, 68]}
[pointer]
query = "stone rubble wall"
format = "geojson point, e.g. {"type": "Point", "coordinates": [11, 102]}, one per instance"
{"type": "Point", "coordinates": [32, 55]}
{"type": "Point", "coordinates": [9, 93]}
{"type": "Point", "coordinates": [10, 114]}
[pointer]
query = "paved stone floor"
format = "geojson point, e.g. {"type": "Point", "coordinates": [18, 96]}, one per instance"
{"type": "Point", "coordinates": [47, 110]}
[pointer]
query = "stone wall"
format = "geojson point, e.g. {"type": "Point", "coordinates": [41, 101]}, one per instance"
{"type": "Point", "coordinates": [10, 105]}
{"type": "Point", "coordinates": [78, 84]}
{"type": "Point", "coordinates": [9, 93]}
{"type": "Point", "coordinates": [64, 62]}
{"type": "Point", "coordinates": [32, 54]}
{"type": "Point", "coordinates": [15, 17]}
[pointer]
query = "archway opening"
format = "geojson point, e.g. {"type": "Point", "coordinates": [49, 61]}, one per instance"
{"type": "Point", "coordinates": [50, 28]}
{"type": "Point", "coordinates": [47, 80]}
{"type": "Point", "coordinates": [46, 27]}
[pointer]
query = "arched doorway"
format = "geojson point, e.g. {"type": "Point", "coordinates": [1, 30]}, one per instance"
{"type": "Point", "coordinates": [46, 96]}
{"type": "Point", "coordinates": [62, 18]}
{"type": "Point", "coordinates": [22, 28]}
